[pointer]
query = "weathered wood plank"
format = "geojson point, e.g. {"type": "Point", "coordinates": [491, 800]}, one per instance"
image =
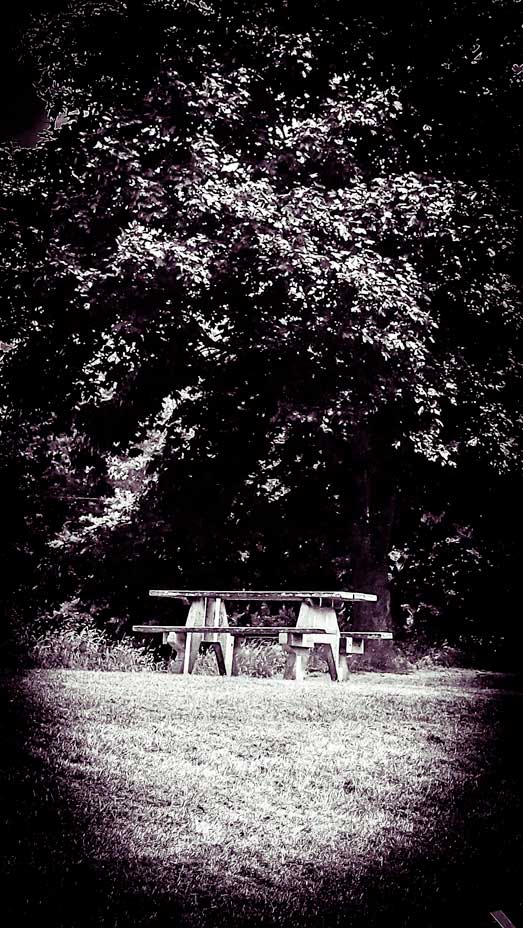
{"type": "Point", "coordinates": [367, 635]}
{"type": "Point", "coordinates": [352, 646]}
{"type": "Point", "coordinates": [247, 631]}
{"type": "Point", "coordinates": [331, 656]}
{"type": "Point", "coordinates": [265, 595]}
{"type": "Point", "coordinates": [296, 663]}
{"type": "Point", "coordinates": [261, 630]}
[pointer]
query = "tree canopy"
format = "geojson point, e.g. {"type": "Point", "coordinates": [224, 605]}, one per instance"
{"type": "Point", "coordinates": [262, 306]}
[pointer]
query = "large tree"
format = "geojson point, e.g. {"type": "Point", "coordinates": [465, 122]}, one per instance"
{"type": "Point", "coordinates": [261, 274]}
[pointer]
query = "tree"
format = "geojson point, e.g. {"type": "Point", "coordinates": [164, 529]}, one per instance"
{"type": "Point", "coordinates": [255, 259]}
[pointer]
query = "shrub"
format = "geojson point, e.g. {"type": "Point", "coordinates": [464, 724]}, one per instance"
{"type": "Point", "coordinates": [444, 656]}
{"type": "Point", "coordinates": [388, 659]}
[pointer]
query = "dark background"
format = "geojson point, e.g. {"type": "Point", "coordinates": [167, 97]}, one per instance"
{"type": "Point", "coordinates": [22, 113]}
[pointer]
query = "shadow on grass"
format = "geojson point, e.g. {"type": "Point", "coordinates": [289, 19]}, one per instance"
{"type": "Point", "coordinates": [52, 873]}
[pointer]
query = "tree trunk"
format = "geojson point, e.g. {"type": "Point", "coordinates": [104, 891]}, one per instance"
{"type": "Point", "coordinates": [371, 577]}
{"type": "Point", "coordinates": [370, 541]}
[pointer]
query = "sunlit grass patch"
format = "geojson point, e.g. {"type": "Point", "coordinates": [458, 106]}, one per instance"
{"type": "Point", "coordinates": [289, 801]}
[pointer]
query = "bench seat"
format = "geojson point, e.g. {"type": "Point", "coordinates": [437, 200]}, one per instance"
{"type": "Point", "coordinates": [261, 631]}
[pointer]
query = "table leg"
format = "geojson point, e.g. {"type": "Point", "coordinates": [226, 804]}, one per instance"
{"type": "Point", "coordinates": [236, 648]}
{"type": "Point", "coordinates": [197, 616]}
{"type": "Point", "coordinates": [319, 616]}
{"type": "Point", "coordinates": [223, 650]}
{"type": "Point", "coordinates": [297, 660]}
{"type": "Point", "coordinates": [329, 652]}
{"type": "Point", "coordinates": [349, 646]}
{"type": "Point", "coordinates": [228, 657]}
{"type": "Point", "coordinates": [177, 640]}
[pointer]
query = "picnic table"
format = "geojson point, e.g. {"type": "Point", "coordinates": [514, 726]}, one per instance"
{"type": "Point", "coordinates": [317, 626]}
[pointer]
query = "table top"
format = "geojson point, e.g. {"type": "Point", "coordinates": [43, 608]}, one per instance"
{"type": "Point", "coordinates": [266, 595]}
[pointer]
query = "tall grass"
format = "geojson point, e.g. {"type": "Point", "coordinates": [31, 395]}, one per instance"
{"type": "Point", "coordinates": [261, 659]}
{"type": "Point", "coordinates": [80, 645]}
{"type": "Point", "coordinates": [87, 649]}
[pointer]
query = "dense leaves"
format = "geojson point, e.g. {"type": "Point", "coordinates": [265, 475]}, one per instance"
{"type": "Point", "coordinates": [262, 288]}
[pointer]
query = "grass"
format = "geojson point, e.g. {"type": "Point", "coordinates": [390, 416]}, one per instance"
{"type": "Point", "coordinates": [151, 799]}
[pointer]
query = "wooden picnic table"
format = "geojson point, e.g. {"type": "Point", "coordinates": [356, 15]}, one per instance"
{"type": "Point", "coordinates": [317, 625]}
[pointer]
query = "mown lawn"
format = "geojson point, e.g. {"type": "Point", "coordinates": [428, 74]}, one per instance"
{"type": "Point", "coordinates": [150, 799]}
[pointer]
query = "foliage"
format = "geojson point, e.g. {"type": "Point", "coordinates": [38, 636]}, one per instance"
{"type": "Point", "coordinates": [264, 274]}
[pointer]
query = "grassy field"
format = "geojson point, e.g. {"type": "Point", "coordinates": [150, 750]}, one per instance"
{"type": "Point", "coordinates": [150, 799]}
